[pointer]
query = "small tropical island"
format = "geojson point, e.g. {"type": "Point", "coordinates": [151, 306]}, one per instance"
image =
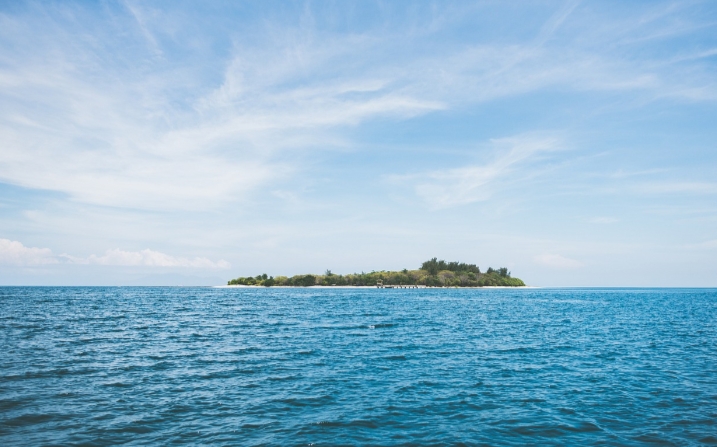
{"type": "Point", "coordinates": [432, 273]}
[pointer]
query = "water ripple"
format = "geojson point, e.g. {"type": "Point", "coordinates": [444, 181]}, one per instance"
{"type": "Point", "coordinates": [108, 366]}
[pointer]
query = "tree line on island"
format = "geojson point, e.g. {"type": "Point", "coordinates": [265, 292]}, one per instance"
{"type": "Point", "coordinates": [433, 273]}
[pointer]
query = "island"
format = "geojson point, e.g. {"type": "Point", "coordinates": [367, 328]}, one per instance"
{"type": "Point", "coordinates": [432, 273]}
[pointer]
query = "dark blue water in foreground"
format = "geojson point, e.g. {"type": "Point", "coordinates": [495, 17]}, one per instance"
{"type": "Point", "coordinates": [108, 366]}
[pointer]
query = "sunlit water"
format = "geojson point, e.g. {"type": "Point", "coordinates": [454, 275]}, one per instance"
{"type": "Point", "coordinates": [107, 366]}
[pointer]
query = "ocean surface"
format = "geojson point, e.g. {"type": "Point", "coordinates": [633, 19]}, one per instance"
{"type": "Point", "coordinates": [385, 367]}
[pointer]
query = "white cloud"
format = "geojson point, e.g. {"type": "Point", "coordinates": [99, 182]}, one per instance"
{"type": "Point", "coordinates": [158, 135]}
{"type": "Point", "coordinates": [72, 126]}
{"type": "Point", "coordinates": [147, 258]}
{"type": "Point", "coordinates": [557, 261]}
{"type": "Point", "coordinates": [15, 253]}
{"type": "Point", "coordinates": [459, 186]}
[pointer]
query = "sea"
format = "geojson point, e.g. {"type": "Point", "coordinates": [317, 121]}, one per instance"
{"type": "Point", "coordinates": [100, 366]}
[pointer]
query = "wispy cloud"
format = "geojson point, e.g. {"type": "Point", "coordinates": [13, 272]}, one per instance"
{"type": "Point", "coordinates": [472, 183]}
{"type": "Point", "coordinates": [620, 173]}
{"type": "Point", "coordinates": [111, 135]}
{"type": "Point", "coordinates": [603, 220]}
{"type": "Point", "coordinates": [109, 131]}
{"type": "Point", "coordinates": [146, 258]}
{"type": "Point", "coordinates": [677, 187]}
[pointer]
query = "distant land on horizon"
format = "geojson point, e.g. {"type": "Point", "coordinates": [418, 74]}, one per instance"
{"type": "Point", "coordinates": [432, 273]}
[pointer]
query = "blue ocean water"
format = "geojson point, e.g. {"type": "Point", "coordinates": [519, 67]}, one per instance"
{"type": "Point", "coordinates": [138, 366]}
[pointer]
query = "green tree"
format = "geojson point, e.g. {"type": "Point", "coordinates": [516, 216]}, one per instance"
{"type": "Point", "coordinates": [304, 280]}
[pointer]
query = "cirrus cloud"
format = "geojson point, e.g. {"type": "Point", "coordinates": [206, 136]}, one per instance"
{"type": "Point", "coordinates": [459, 186]}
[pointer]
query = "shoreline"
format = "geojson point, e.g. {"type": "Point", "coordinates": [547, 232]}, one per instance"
{"type": "Point", "coordinates": [239, 286]}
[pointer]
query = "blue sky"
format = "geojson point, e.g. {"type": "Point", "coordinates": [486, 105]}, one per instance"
{"type": "Point", "coordinates": [182, 142]}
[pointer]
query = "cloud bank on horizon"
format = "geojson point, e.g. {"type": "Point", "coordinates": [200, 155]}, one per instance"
{"type": "Point", "coordinates": [14, 253]}
{"type": "Point", "coordinates": [571, 141]}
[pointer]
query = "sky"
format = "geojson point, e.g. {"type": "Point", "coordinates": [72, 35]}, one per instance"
{"type": "Point", "coordinates": [168, 143]}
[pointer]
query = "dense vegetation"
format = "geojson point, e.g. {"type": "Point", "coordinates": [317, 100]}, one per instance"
{"type": "Point", "coordinates": [433, 273]}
